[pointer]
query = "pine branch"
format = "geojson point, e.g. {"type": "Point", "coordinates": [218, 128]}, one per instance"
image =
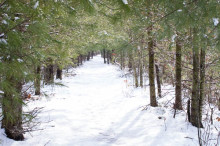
{"type": "Point", "coordinates": [168, 14]}
{"type": "Point", "coordinates": [2, 3]}
{"type": "Point", "coordinates": [213, 29]}
{"type": "Point", "coordinates": [17, 25]}
{"type": "Point", "coordinates": [103, 4]}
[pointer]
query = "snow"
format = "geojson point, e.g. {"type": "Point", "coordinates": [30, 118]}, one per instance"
{"type": "Point", "coordinates": [3, 41]}
{"type": "Point", "coordinates": [36, 5]}
{"type": "Point", "coordinates": [99, 107]}
{"type": "Point", "coordinates": [6, 15]}
{"type": "Point", "coordinates": [215, 21]}
{"type": "Point", "coordinates": [125, 2]}
{"type": "Point", "coordinates": [105, 32]}
{"type": "Point", "coordinates": [72, 8]}
{"type": "Point", "coordinates": [20, 60]}
{"type": "Point", "coordinates": [173, 38]}
{"type": "Point", "coordinates": [16, 18]}
{"type": "Point", "coordinates": [4, 22]}
{"type": "Point", "coordinates": [1, 35]}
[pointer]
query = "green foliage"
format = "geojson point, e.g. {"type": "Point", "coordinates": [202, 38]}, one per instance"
{"type": "Point", "coordinates": [62, 30]}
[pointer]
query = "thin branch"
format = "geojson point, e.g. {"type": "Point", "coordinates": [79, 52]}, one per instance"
{"type": "Point", "coordinates": [2, 3]}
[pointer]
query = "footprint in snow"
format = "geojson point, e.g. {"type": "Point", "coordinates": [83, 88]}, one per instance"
{"type": "Point", "coordinates": [107, 137]}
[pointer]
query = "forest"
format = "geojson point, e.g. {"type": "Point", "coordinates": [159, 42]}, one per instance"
{"type": "Point", "coordinates": [165, 54]}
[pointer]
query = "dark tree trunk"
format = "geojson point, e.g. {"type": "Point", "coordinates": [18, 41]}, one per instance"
{"type": "Point", "coordinates": [141, 63]}
{"type": "Point", "coordinates": [88, 56]}
{"type": "Point", "coordinates": [141, 69]}
{"type": "Point", "coordinates": [195, 88]}
{"type": "Point", "coordinates": [202, 81]}
{"type": "Point", "coordinates": [81, 59]}
{"type": "Point", "coordinates": [194, 117]}
{"type": "Point", "coordinates": [37, 80]}
{"type": "Point", "coordinates": [219, 103]}
{"type": "Point", "coordinates": [135, 76]}
{"type": "Point", "coordinates": [153, 101]}
{"type": "Point", "coordinates": [178, 89]}
{"type": "Point", "coordinates": [49, 73]}
{"type": "Point", "coordinates": [108, 56]}
{"type": "Point", "coordinates": [104, 55]}
{"type": "Point", "coordinates": [78, 60]}
{"type": "Point", "coordinates": [188, 110]}
{"type": "Point", "coordinates": [12, 111]}
{"type": "Point", "coordinates": [92, 54]}
{"type": "Point", "coordinates": [158, 80]}
{"type": "Point", "coordinates": [59, 73]}
{"type": "Point", "coordinates": [134, 70]}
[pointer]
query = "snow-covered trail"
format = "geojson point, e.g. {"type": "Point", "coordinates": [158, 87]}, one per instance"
{"type": "Point", "coordinates": [94, 109]}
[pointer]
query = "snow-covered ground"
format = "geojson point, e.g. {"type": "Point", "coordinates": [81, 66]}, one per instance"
{"type": "Point", "coordinates": [97, 107]}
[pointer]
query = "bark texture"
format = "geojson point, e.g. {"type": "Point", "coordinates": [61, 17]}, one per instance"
{"type": "Point", "coordinates": [37, 81]}
{"type": "Point", "coordinates": [88, 56]}
{"type": "Point", "coordinates": [158, 80]}
{"type": "Point", "coordinates": [202, 81]}
{"type": "Point", "coordinates": [104, 55]}
{"type": "Point", "coordinates": [12, 111]}
{"type": "Point", "coordinates": [178, 89]}
{"type": "Point", "coordinates": [153, 101]}
{"type": "Point", "coordinates": [59, 73]}
{"type": "Point", "coordinates": [195, 107]}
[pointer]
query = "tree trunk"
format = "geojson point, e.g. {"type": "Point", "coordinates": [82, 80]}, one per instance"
{"type": "Point", "coordinates": [153, 101]}
{"type": "Point", "coordinates": [104, 55]}
{"type": "Point", "coordinates": [88, 56]}
{"type": "Point", "coordinates": [158, 80]}
{"type": "Point", "coordinates": [92, 54]}
{"type": "Point", "coordinates": [188, 110]}
{"type": "Point", "coordinates": [219, 103]}
{"type": "Point", "coordinates": [78, 60]}
{"type": "Point", "coordinates": [59, 73]}
{"type": "Point", "coordinates": [37, 80]}
{"type": "Point", "coordinates": [49, 73]}
{"type": "Point", "coordinates": [178, 89]}
{"type": "Point", "coordinates": [141, 70]}
{"type": "Point", "coordinates": [12, 111]}
{"type": "Point", "coordinates": [194, 117]}
{"type": "Point", "coordinates": [135, 76]}
{"type": "Point", "coordinates": [108, 56]}
{"type": "Point", "coordinates": [81, 59]}
{"type": "Point", "coordinates": [202, 81]}
{"type": "Point", "coordinates": [135, 71]}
